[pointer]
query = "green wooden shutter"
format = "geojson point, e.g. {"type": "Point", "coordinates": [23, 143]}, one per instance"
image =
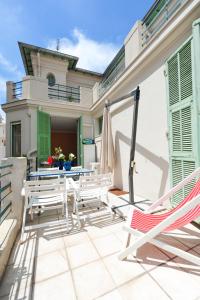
{"type": "Point", "coordinates": [181, 112]}
{"type": "Point", "coordinates": [43, 136]}
{"type": "Point", "coordinates": [196, 72]}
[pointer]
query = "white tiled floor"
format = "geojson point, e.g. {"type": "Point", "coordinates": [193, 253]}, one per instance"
{"type": "Point", "coordinates": [83, 265]}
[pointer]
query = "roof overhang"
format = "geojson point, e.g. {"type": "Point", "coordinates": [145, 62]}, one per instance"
{"type": "Point", "coordinates": [27, 49]}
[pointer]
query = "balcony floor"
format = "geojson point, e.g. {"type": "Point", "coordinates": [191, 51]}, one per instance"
{"type": "Point", "coordinates": [83, 265]}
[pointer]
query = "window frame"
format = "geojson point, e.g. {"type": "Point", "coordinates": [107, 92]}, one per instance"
{"type": "Point", "coordinates": [11, 136]}
{"type": "Point", "coordinates": [53, 76]}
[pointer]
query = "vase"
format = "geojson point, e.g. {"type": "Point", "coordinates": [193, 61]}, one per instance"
{"type": "Point", "coordinates": [67, 165]}
{"type": "Point", "coordinates": [61, 164]}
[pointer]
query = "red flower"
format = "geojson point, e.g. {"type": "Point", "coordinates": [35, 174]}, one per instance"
{"type": "Point", "coordinates": [50, 160]}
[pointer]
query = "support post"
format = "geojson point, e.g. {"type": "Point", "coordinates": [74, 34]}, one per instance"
{"type": "Point", "coordinates": [133, 143]}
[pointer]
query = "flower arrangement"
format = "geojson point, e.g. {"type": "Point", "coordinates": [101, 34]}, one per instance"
{"type": "Point", "coordinates": [71, 157]}
{"type": "Point", "coordinates": [59, 160]}
{"type": "Point", "coordinates": [59, 154]}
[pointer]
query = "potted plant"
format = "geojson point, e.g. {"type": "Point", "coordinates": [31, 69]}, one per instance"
{"type": "Point", "coordinates": [68, 163]}
{"type": "Point", "coordinates": [59, 158]}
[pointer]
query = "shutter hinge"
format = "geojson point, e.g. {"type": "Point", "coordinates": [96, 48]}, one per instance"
{"type": "Point", "coordinates": [165, 73]}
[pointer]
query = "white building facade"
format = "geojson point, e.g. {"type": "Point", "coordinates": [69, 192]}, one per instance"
{"type": "Point", "coordinates": [161, 54]}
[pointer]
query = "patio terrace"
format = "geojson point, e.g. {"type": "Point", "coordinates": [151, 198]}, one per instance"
{"type": "Point", "coordinates": [52, 264]}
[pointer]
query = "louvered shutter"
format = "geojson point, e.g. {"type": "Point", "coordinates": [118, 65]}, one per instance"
{"type": "Point", "coordinates": [43, 136]}
{"type": "Point", "coordinates": [181, 111]}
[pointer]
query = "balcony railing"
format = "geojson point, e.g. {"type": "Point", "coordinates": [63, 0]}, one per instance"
{"type": "Point", "coordinates": [17, 90]}
{"type": "Point", "coordinates": [108, 82]}
{"type": "Point", "coordinates": [112, 73]}
{"type": "Point", "coordinates": [160, 14]}
{"type": "Point", "coordinates": [5, 190]}
{"type": "Point", "coordinates": [63, 92]}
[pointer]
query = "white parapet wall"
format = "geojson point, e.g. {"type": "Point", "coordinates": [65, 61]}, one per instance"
{"type": "Point", "coordinates": [10, 226]}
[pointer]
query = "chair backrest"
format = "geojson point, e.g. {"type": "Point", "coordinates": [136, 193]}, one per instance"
{"type": "Point", "coordinates": [45, 187]}
{"type": "Point", "coordinates": [146, 221]}
{"type": "Point", "coordinates": [48, 169]}
{"type": "Point", "coordinates": [77, 168]}
{"type": "Point", "coordinates": [95, 181]}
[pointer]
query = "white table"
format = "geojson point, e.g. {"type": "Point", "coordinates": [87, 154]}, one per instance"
{"type": "Point", "coordinates": [71, 173]}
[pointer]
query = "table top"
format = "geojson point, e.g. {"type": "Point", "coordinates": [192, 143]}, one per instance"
{"type": "Point", "coordinates": [59, 173]}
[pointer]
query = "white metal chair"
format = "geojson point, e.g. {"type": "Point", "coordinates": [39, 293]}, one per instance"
{"type": "Point", "coordinates": [91, 191]}
{"type": "Point", "coordinates": [45, 195]}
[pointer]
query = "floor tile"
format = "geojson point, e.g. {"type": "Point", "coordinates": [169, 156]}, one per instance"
{"type": "Point", "coordinates": [46, 244]}
{"type": "Point", "coordinates": [143, 288]}
{"type": "Point", "coordinates": [81, 254]}
{"type": "Point", "coordinates": [92, 280]}
{"type": "Point", "coordinates": [150, 256]}
{"type": "Point", "coordinates": [177, 283]}
{"type": "Point", "coordinates": [59, 287]}
{"type": "Point", "coordinates": [96, 232]}
{"type": "Point", "coordinates": [114, 295]}
{"type": "Point", "coordinates": [107, 245]}
{"type": "Point", "coordinates": [76, 238]}
{"type": "Point", "coordinates": [50, 265]}
{"type": "Point", "coordinates": [188, 236]}
{"type": "Point", "coordinates": [123, 271]}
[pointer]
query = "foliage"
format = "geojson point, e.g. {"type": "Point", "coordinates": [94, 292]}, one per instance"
{"type": "Point", "coordinates": [71, 157]}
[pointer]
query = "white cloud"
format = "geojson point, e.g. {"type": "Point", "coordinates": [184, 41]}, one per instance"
{"type": "Point", "coordinates": [9, 67]}
{"type": "Point", "coordinates": [2, 84]}
{"type": "Point", "coordinates": [93, 55]}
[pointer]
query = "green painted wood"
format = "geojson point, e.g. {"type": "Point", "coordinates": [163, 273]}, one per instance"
{"type": "Point", "coordinates": [5, 212]}
{"type": "Point", "coordinates": [5, 166]}
{"type": "Point", "coordinates": [43, 136]}
{"type": "Point", "coordinates": [196, 81]}
{"type": "Point", "coordinates": [2, 189]}
{"type": "Point", "coordinates": [181, 117]}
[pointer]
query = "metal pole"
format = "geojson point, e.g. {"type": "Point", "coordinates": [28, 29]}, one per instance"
{"type": "Point", "coordinates": [133, 143]}
{"type": "Point", "coordinates": [136, 95]}
{"type": "Point", "coordinates": [131, 94]}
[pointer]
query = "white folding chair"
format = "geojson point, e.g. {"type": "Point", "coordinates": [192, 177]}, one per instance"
{"type": "Point", "coordinates": [91, 191]}
{"type": "Point", "coordinates": [146, 227]}
{"type": "Point", "coordinates": [45, 195]}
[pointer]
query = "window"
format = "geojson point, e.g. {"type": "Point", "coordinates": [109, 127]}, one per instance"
{"type": "Point", "coordinates": [16, 139]}
{"type": "Point", "coordinates": [51, 79]}
{"type": "Point", "coordinates": [181, 115]}
{"type": "Point", "coordinates": [100, 123]}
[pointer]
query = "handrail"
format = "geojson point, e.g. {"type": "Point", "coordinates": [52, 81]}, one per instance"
{"type": "Point", "coordinates": [5, 190]}
{"type": "Point", "coordinates": [64, 92]}
{"type": "Point", "coordinates": [17, 90]}
{"type": "Point", "coordinates": [106, 83]}
{"type": "Point", "coordinates": [165, 13]}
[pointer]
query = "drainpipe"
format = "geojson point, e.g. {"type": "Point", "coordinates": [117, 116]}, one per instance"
{"type": "Point", "coordinates": [38, 65]}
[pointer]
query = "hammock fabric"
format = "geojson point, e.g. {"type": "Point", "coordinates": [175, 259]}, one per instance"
{"type": "Point", "coordinates": [144, 222]}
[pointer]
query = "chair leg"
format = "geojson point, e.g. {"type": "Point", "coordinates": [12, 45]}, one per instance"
{"type": "Point", "coordinates": [128, 240]}
{"type": "Point", "coordinates": [66, 215]}
{"type": "Point", "coordinates": [31, 214]}
{"type": "Point", "coordinates": [78, 217]}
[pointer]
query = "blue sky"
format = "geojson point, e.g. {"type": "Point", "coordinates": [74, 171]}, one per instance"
{"type": "Point", "coordinates": [94, 30]}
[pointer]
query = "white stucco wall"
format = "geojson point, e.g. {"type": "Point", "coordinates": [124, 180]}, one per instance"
{"type": "Point", "coordinates": [132, 43]}
{"type": "Point", "coordinates": [57, 66]}
{"type": "Point", "coordinates": [76, 78]}
{"type": "Point", "coordinates": [152, 149]}
{"type": "Point", "coordinates": [2, 139]}
{"type": "Point", "coordinates": [28, 119]}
